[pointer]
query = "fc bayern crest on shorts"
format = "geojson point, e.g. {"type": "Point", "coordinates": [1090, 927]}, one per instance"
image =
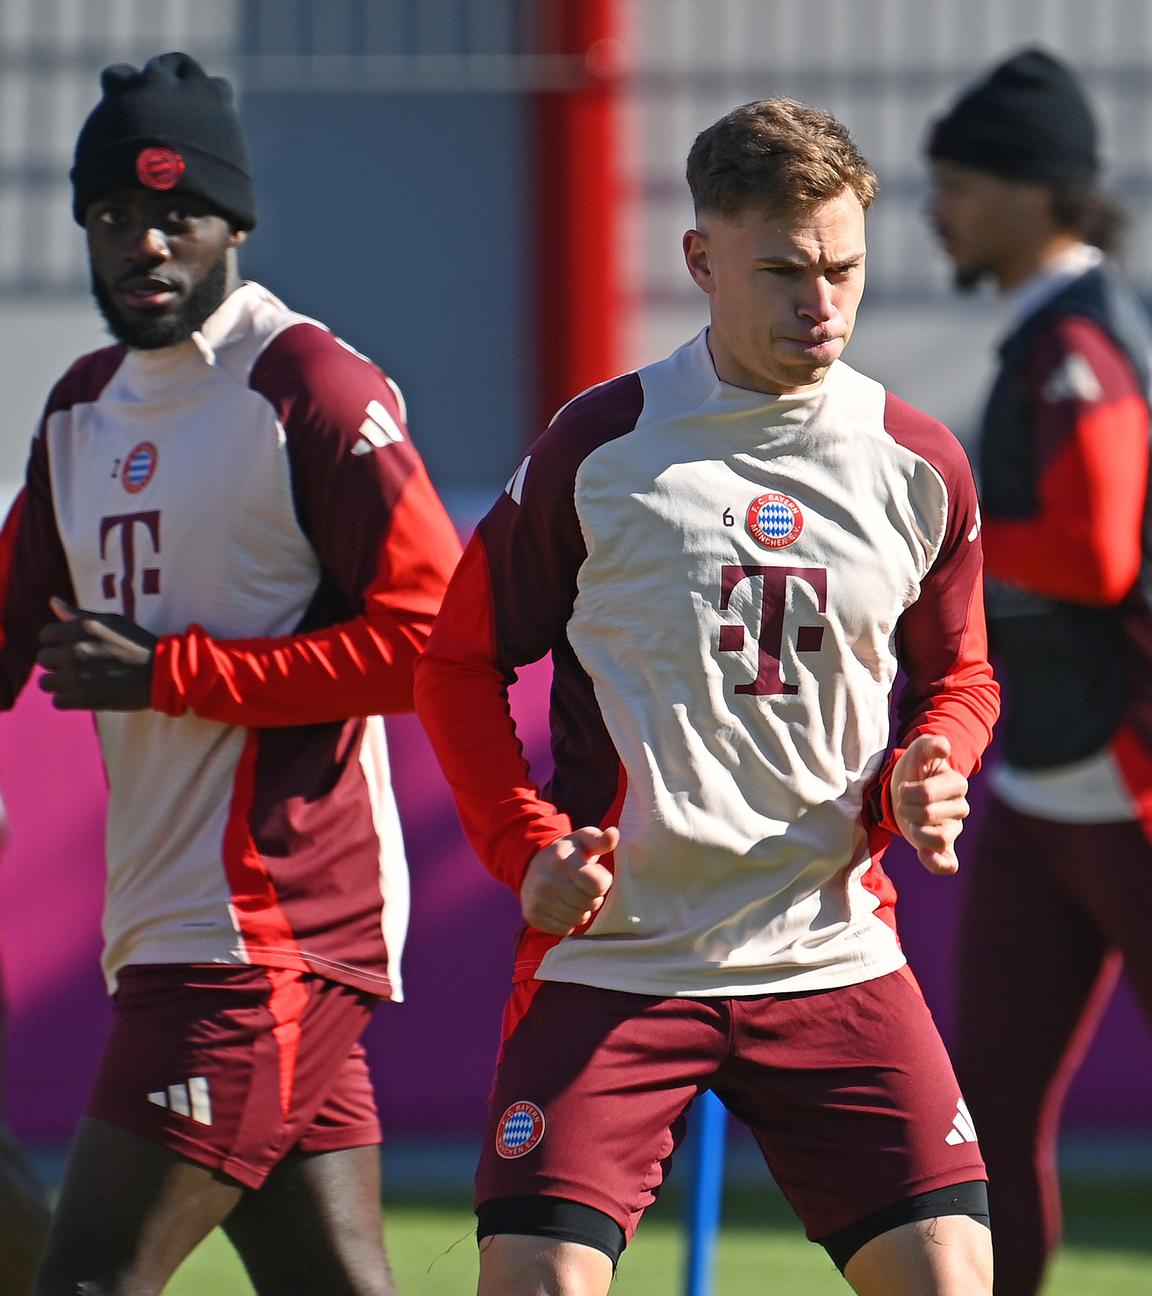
{"type": "Point", "coordinates": [139, 467]}
{"type": "Point", "coordinates": [520, 1130]}
{"type": "Point", "coordinates": [774, 520]}
{"type": "Point", "coordinates": [159, 168]}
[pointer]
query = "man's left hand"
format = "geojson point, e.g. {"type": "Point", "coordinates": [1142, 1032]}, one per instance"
{"type": "Point", "coordinates": [929, 801]}
{"type": "Point", "coordinates": [96, 661]}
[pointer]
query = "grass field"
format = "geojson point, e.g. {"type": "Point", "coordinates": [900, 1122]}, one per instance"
{"type": "Point", "coordinates": [761, 1250]}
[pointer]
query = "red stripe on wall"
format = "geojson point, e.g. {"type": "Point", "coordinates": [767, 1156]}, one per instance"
{"type": "Point", "coordinates": [578, 239]}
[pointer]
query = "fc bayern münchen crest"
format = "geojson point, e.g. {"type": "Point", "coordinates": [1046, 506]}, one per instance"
{"type": "Point", "coordinates": [520, 1130]}
{"type": "Point", "coordinates": [139, 467]}
{"type": "Point", "coordinates": [159, 167]}
{"type": "Point", "coordinates": [774, 520]}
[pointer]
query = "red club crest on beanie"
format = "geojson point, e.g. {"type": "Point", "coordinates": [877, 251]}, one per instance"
{"type": "Point", "coordinates": [159, 168]}
{"type": "Point", "coordinates": [165, 126]}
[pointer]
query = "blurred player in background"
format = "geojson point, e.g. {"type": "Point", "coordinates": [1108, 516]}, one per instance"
{"type": "Point", "coordinates": [23, 1208]}
{"type": "Point", "coordinates": [727, 554]}
{"type": "Point", "coordinates": [228, 549]}
{"type": "Point", "coordinates": [1061, 880]}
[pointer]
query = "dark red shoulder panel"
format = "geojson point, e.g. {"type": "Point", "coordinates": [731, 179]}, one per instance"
{"type": "Point", "coordinates": [33, 566]}
{"type": "Point", "coordinates": [509, 604]}
{"type": "Point", "coordinates": [942, 640]}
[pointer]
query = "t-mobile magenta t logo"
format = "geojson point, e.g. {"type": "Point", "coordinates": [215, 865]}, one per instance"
{"type": "Point", "coordinates": [123, 584]}
{"type": "Point", "coordinates": [773, 587]}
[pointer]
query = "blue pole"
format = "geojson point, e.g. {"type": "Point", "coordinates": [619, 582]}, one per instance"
{"type": "Point", "coordinates": [706, 1123]}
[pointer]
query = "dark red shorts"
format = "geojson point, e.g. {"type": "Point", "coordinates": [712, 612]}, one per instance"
{"type": "Point", "coordinates": [849, 1093]}
{"type": "Point", "coordinates": [233, 1067]}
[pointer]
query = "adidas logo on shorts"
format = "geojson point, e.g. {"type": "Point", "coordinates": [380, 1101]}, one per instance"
{"type": "Point", "coordinates": [963, 1131]}
{"type": "Point", "coordinates": [190, 1098]}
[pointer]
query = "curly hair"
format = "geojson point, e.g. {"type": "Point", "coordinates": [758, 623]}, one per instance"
{"type": "Point", "coordinates": [1095, 217]}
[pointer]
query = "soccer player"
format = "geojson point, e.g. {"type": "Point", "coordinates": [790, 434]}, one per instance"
{"type": "Point", "coordinates": [728, 554]}
{"type": "Point", "coordinates": [1061, 884]}
{"type": "Point", "coordinates": [227, 548]}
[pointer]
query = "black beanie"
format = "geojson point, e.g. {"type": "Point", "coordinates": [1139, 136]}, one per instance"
{"type": "Point", "coordinates": [165, 126]}
{"type": "Point", "coordinates": [1028, 119]}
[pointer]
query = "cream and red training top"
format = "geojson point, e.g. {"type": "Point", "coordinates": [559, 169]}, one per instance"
{"type": "Point", "coordinates": [252, 497]}
{"type": "Point", "coordinates": [727, 582]}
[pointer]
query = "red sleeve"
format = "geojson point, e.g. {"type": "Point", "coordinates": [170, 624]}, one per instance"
{"type": "Point", "coordinates": [462, 699]}
{"type": "Point", "coordinates": [1089, 423]}
{"type": "Point", "coordinates": [32, 569]}
{"type": "Point", "coordinates": [942, 639]}
{"type": "Point", "coordinates": [33, 564]}
{"type": "Point", "coordinates": [509, 604]}
{"type": "Point", "coordinates": [385, 545]}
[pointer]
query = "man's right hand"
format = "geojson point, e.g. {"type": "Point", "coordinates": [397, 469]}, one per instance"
{"type": "Point", "coordinates": [96, 661]}
{"type": "Point", "coordinates": [565, 884]}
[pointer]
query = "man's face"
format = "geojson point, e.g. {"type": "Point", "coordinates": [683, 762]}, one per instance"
{"type": "Point", "coordinates": [783, 290]}
{"type": "Point", "coordinates": [160, 264]}
{"type": "Point", "coordinates": [986, 223]}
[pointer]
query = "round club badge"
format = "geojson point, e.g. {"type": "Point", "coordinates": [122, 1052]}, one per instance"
{"type": "Point", "coordinates": [520, 1130]}
{"type": "Point", "coordinates": [774, 520]}
{"type": "Point", "coordinates": [159, 168]}
{"type": "Point", "coordinates": [139, 467]}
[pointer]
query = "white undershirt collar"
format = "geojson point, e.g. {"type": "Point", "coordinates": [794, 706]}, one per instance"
{"type": "Point", "coordinates": [1039, 288]}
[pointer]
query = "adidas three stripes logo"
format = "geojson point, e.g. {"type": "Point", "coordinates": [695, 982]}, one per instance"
{"type": "Point", "coordinates": [190, 1098]}
{"type": "Point", "coordinates": [963, 1131]}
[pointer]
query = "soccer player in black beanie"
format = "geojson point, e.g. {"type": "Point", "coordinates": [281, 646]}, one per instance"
{"type": "Point", "coordinates": [1028, 130]}
{"type": "Point", "coordinates": [170, 132]}
{"type": "Point", "coordinates": [227, 548]}
{"type": "Point", "coordinates": [1060, 877]}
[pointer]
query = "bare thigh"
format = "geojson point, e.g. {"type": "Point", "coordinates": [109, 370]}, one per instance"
{"type": "Point", "coordinates": [514, 1265]}
{"type": "Point", "coordinates": [129, 1213]}
{"type": "Point", "coordinates": [315, 1227]}
{"type": "Point", "coordinates": [950, 1256]}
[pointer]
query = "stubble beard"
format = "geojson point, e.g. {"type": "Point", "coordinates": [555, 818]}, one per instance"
{"type": "Point", "coordinates": [152, 334]}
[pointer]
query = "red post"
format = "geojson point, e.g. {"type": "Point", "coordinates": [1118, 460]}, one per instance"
{"type": "Point", "coordinates": [577, 244]}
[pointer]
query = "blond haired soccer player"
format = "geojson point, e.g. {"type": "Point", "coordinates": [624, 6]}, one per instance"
{"type": "Point", "coordinates": [728, 554]}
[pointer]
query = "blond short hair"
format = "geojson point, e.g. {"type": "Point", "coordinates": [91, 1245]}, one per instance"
{"type": "Point", "coordinates": [777, 155]}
